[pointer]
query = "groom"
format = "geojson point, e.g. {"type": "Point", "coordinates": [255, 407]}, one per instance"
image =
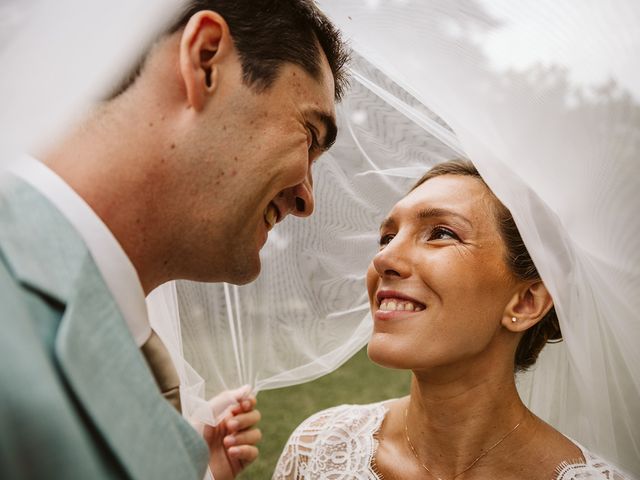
{"type": "Point", "coordinates": [180, 174]}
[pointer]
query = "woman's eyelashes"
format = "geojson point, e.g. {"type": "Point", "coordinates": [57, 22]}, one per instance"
{"type": "Point", "coordinates": [432, 234]}
{"type": "Point", "coordinates": [442, 233]}
{"type": "Point", "coordinates": [385, 239]}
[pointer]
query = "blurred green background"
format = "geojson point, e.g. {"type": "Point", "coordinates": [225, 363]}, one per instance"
{"type": "Point", "coordinates": [357, 381]}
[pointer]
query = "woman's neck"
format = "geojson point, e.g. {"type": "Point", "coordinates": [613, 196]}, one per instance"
{"type": "Point", "coordinates": [451, 420]}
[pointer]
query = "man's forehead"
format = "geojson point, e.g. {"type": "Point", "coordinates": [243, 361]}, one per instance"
{"type": "Point", "coordinates": [318, 90]}
{"type": "Point", "coordinates": [315, 96]}
{"type": "Point", "coordinates": [326, 75]}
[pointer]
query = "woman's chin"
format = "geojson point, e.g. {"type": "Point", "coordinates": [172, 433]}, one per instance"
{"type": "Point", "coordinates": [382, 352]}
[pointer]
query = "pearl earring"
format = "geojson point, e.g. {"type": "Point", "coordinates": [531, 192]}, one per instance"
{"type": "Point", "coordinates": [514, 319]}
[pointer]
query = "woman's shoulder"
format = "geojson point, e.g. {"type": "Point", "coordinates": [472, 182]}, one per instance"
{"type": "Point", "coordinates": [339, 439]}
{"type": "Point", "coordinates": [593, 467]}
{"type": "Point", "coordinates": [352, 418]}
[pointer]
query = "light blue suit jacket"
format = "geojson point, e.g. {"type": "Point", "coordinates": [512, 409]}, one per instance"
{"type": "Point", "coordinates": [77, 399]}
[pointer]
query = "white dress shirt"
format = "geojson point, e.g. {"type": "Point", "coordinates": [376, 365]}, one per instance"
{"type": "Point", "coordinates": [115, 267]}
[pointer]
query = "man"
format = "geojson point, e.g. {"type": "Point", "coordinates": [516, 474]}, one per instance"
{"type": "Point", "coordinates": [179, 175]}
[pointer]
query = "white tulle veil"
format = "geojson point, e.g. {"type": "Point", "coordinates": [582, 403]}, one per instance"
{"type": "Point", "coordinates": [544, 97]}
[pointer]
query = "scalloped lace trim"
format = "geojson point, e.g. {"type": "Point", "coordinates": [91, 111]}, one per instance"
{"type": "Point", "coordinates": [340, 443]}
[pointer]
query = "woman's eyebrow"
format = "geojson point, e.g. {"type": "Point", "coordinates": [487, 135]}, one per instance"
{"type": "Point", "coordinates": [387, 223]}
{"type": "Point", "coordinates": [427, 213]}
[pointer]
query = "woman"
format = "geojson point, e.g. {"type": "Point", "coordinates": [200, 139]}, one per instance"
{"type": "Point", "coordinates": [455, 298]}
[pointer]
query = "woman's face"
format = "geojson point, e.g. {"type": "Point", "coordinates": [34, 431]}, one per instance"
{"type": "Point", "coordinates": [439, 285]}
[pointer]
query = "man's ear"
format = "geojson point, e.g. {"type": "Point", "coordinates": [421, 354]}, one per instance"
{"type": "Point", "coordinates": [527, 307]}
{"type": "Point", "coordinates": [205, 42]}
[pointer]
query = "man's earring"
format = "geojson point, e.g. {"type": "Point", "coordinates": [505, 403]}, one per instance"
{"type": "Point", "coordinates": [514, 319]}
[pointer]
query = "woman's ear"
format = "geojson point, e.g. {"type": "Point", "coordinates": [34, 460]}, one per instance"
{"type": "Point", "coordinates": [205, 44]}
{"type": "Point", "coordinates": [527, 307]}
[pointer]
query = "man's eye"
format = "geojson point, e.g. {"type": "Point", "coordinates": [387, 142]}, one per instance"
{"type": "Point", "coordinates": [385, 239]}
{"type": "Point", "coordinates": [442, 233]}
{"type": "Point", "coordinates": [313, 144]}
{"type": "Point", "coordinates": [313, 141]}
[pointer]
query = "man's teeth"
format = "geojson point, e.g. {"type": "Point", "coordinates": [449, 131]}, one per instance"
{"type": "Point", "coordinates": [395, 305]}
{"type": "Point", "coordinates": [270, 215]}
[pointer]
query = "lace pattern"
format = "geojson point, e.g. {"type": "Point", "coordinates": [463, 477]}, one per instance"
{"type": "Point", "coordinates": [334, 444]}
{"type": "Point", "coordinates": [594, 468]}
{"type": "Point", "coordinates": [340, 443]}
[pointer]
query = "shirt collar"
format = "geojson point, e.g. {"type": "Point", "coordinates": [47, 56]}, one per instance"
{"type": "Point", "coordinates": [110, 258]}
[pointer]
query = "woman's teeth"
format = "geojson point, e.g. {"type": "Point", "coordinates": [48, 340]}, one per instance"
{"type": "Point", "coordinates": [270, 215]}
{"type": "Point", "coordinates": [394, 305]}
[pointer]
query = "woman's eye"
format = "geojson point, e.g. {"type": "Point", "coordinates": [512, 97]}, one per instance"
{"type": "Point", "coordinates": [385, 239]}
{"type": "Point", "coordinates": [442, 233]}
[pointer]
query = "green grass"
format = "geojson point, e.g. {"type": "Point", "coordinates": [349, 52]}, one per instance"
{"type": "Point", "coordinates": [357, 381]}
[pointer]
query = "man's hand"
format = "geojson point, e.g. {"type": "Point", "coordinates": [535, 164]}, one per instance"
{"type": "Point", "coordinates": [232, 443]}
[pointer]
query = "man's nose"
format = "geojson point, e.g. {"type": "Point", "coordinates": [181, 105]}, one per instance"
{"type": "Point", "coordinates": [303, 199]}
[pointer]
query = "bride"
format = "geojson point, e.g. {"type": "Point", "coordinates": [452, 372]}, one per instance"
{"type": "Point", "coordinates": [457, 300]}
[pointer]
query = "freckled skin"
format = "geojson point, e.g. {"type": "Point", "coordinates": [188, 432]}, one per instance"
{"type": "Point", "coordinates": [266, 144]}
{"type": "Point", "coordinates": [465, 284]}
{"type": "Point", "coordinates": [201, 179]}
{"type": "Point", "coordinates": [460, 349]}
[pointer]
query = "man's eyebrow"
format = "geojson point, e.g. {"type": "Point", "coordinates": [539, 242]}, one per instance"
{"type": "Point", "coordinates": [331, 129]}
{"type": "Point", "coordinates": [431, 212]}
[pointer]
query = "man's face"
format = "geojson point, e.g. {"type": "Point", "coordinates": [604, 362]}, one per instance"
{"type": "Point", "coordinates": [250, 167]}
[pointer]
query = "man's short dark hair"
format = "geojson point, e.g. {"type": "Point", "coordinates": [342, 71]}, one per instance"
{"type": "Point", "coordinates": [270, 33]}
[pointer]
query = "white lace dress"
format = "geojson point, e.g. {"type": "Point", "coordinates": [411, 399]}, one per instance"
{"type": "Point", "coordinates": [340, 444]}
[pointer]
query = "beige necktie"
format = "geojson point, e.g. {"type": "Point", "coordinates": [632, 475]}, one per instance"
{"type": "Point", "coordinates": [164, 372]}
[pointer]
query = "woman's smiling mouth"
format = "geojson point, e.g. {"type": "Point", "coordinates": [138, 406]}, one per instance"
{"type": "Point", "coordinates": [393, 301]}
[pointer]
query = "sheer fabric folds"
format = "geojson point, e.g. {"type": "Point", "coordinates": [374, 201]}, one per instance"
{"type": "Point", "coordinates": [59, 58]}
{"type": "Point", "coordinates": [544, 97]}
{"type": "Point", "coordinates": [308, 312]}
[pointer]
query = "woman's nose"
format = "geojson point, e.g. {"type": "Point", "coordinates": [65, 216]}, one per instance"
{"type": "Point", "coordinates": [392, 260]}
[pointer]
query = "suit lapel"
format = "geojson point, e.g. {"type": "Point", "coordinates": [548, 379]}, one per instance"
{"type": "Point", "coordinates": [96, 353]}
{"type": "Point", "coordinates": [108, 373]}
{"type": "Point", "coordinates": [39, 245]}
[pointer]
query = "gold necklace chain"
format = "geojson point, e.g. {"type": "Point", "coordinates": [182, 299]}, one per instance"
{"type": "Point", "coordinates": [415, 454]}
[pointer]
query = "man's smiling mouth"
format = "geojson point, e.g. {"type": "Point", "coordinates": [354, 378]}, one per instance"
{"type": "Point", "coordinates": [271, 215]}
